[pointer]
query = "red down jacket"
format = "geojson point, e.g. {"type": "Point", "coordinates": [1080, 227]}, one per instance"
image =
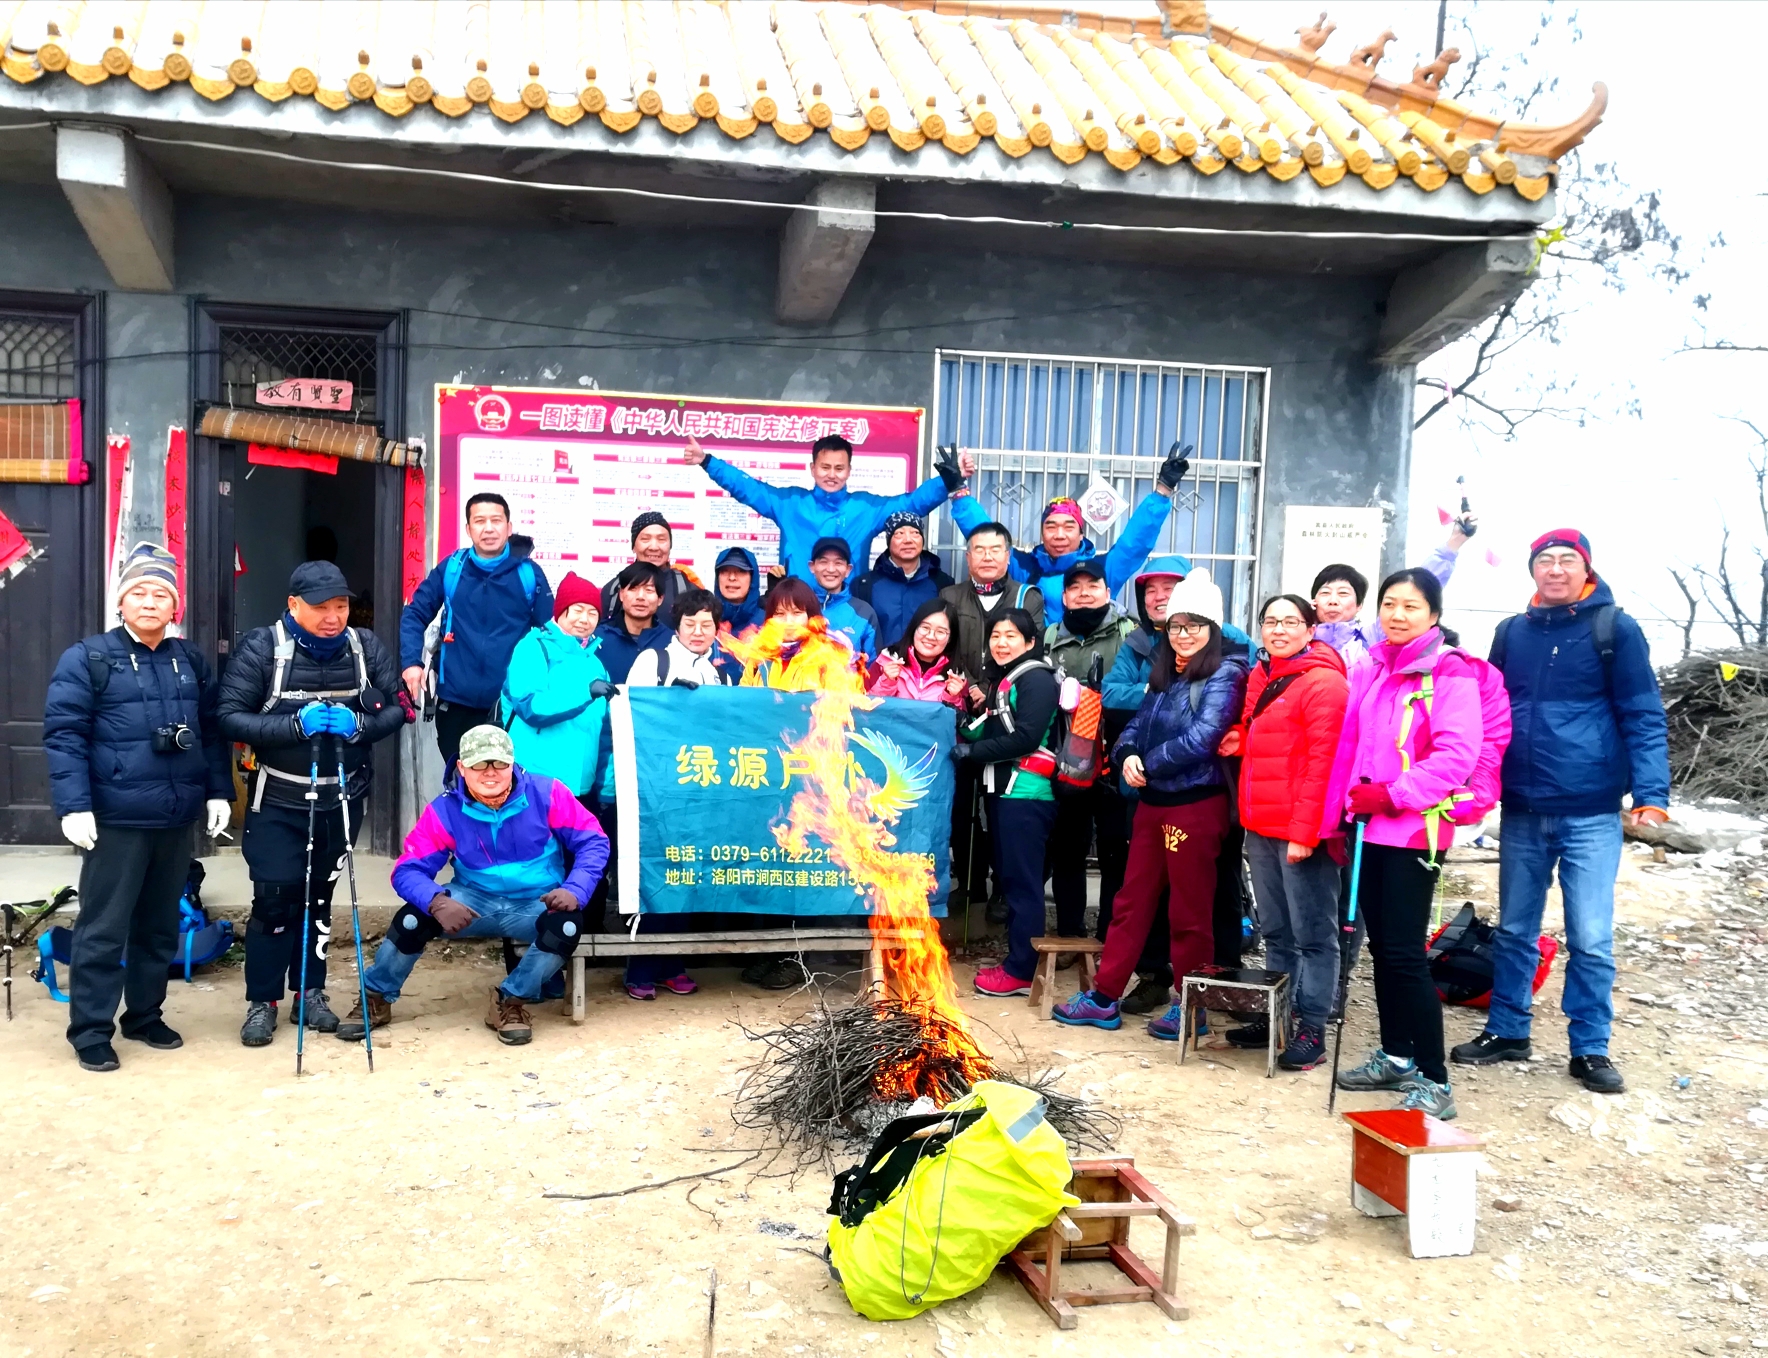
{"type": "Point", "coordinates": [1287, 752]}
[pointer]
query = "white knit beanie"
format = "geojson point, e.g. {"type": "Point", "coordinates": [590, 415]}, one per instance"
{"type": "Point", "coordinates": [1197, 595]}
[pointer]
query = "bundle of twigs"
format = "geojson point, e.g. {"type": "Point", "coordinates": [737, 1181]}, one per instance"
{"type": "Point", "coordinates": [1717, 705]}
{"type": "Point", "coordinates": [822, 1076]}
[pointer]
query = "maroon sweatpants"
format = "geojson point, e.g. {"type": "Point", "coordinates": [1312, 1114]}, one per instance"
{"type": "Point", "coordinates": [1173, 850]}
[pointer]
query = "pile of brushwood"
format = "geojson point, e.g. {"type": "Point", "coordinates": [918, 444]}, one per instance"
{"type": "Point", "coordinates": [826, 1082]}
{"type": "Point", "coordinates": [1717, 704]}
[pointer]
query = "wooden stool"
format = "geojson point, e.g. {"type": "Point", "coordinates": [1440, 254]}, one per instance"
{"type": "Point", "coordinates": [1274, 985]}
{"type": "Point", "coordinates": [1111, 1192]}
{"type": "Point", "coordinates": [1043, 980]}
{"type": "Point", "coordinates": [1407, 1163]}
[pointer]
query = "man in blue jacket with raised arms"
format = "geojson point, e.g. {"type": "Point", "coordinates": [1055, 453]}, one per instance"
{"type": "Point", "coordinates": [1587, 727]}
{"type": "Point", "coordinates": [1065, 541]}
{"type": "Point", "coordinates": [490, 595]}
{"type": "Point", "coordinates": [827, 508]}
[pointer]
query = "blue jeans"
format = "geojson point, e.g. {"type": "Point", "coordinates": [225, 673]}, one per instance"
{"type": "Point", "coordinates": [1297, 909]}
{"type": "Point", "coordinates": [1588, 852]}
{"type": "Point", "coordinates": [496, 917]}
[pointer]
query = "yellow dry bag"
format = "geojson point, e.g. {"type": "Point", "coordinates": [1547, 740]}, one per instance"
{"type": "Point", "coordinates": [942, 1197]}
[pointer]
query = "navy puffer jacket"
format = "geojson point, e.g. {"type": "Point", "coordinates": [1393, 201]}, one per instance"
{"type": "Point", "coordinates": [99, 745]}
{"type": "Point", "coordinates": [894, 597]}
{"type": "Point", "coordinates": [1581, 738]}
{"type": "Point", "coordinates": [492, 612]}
{"type": "Point", "coordinates": [1177, 741]}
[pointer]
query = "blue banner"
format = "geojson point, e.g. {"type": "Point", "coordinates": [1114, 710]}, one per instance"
{"type": "Point", "coordinates": [706, 775]}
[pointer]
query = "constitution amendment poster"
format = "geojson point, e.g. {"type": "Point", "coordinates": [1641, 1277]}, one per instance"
{"type": "Point", "coordinates": [577, 466]}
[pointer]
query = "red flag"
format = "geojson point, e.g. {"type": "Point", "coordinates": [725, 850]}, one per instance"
{"type": "Point", "coordinates": [1443, 516]}
{"type": "Point", "coordinates": [14, 545]}
{"type": "Point", "coordinates": [177, 509]}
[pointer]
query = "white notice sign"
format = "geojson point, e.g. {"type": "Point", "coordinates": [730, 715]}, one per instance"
{"type": "Point", "coordinates": [1315, 536]}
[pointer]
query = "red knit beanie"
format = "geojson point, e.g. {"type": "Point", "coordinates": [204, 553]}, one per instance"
{"type": "Point", "coordinates": [574, 589]}
{"type": "Point", "coordinates": [1063, 507]}
{"type": "Point", "coordinates": [1561, 537]}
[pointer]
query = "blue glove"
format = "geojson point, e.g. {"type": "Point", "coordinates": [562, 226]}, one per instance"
{"type": "Point", "coordinates": [313, 719]}
{"type": "Point", "coordinates": [341, 721]}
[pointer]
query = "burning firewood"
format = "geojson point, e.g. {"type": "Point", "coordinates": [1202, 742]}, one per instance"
{"type": "Point", "coordinates": [828, 1081]}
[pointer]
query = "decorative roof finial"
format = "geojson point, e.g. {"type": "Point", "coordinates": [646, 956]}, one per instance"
{"type": "Point", "coordinates": [1315, 38]}
{"type": "Point", "coordinates": [1433, 75]}
{"type": "Point", "coordinates": [1370, 57]}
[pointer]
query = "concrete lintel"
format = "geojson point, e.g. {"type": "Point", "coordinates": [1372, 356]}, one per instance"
{"type": "Point", "coordinates": [1434, 304]}
{"type": "Point", "coordinates": [819, 251]}
{"type": "Point", "coordinates": [122, 203]}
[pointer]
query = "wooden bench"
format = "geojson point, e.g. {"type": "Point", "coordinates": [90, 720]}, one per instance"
{"type": "Point", "coordinates": [1043, 980]}
{"type": "Point", "coordinates": [824, 939]}
{"type": "Point", "coordinates": [1406, 1163]}
{"type": "Point", "coordinates": [1111, 1192]}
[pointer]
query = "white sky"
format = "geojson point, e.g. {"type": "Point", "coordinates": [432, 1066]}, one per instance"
{"type": "Point", "coordinates": [1649, 491]}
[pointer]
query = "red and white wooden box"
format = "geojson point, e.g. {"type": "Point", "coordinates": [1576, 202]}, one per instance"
{"type": "Point", "coordinates": [1407, 1163]}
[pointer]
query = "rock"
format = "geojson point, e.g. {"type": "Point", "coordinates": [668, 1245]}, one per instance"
{"type": "Point", "coordinates": [1350, 1301]}
{"type": "Point", "coordinates": [330, 1280]}
{"type": "Point", "coordinates": [1263, 1233]}
{"type": "Point", "coordinates": [1681, 839]}
{"type": "Point", "coordinates": [1645, 1279]}
{"type": "Point", "coordinates": [1400, 1326]}
{"type": "Point", "coordinates": [49, 1292]}
{"type": "Point", "coordinates": [1507, 1204]}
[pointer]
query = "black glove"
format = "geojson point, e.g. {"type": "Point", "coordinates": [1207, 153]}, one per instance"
{"type": "Point", "coordinates": [684, 683]}
{"type": "Point", "coordinates": [603, 688]}
{"type": "Point", "coordinates": [1177, 463]}
{"type": "Point", "coordinates": [1467, 524]}
{"type": "Point", "coordinates": [945, 462]}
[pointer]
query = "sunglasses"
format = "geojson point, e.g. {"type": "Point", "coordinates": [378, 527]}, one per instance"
{"type": "Point", "coordinates": [486, 764]}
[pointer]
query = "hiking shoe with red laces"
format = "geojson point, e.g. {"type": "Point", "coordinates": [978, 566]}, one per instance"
{"type": "Point", "coordinates": [1000, 982]}
{"type": "Point", "coordinates": [1306, 1049]}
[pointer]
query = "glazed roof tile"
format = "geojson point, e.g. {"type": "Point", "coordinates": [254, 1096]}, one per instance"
{"type": "Point", "coordinates": [1124, 81]}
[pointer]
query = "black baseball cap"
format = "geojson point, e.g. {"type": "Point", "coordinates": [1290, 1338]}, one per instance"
{"type": "Point", "coordinates": [838, 546]}
{"type": "Point", "coordinates": [1088, 568]}
{"type": "Point", "coordinates": [316, 581]}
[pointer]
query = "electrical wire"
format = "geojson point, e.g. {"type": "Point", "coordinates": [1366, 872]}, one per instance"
{"type": "Point", "coordinates": [659, 195]}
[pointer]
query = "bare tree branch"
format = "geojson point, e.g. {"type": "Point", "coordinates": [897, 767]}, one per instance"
{"type": "Point", "coordinates": [1693, 610]}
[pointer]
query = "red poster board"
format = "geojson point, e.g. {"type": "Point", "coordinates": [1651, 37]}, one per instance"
{"type": "Point", "coordinates": [577, 466]}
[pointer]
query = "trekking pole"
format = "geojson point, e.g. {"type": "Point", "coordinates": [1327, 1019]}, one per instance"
{"type": "Point", "coordinates": [6, 947]}
{"type": "Point", "coordinates": [355, 909]}
{"type": "Point", "coordinates": [307, 898]}
{"type": "Point", "coordinates": [1350, 926]}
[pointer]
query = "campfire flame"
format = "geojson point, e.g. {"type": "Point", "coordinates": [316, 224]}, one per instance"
{"type": "Point", "coordinates": [834, 807]}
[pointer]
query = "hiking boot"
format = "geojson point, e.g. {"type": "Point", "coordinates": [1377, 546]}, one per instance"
{"type": "Point", "coordinates": [1427, 1096]}
{"type": "Point", "coordinates": [509, 1019]}
{"type": "Point", "coordinates": [1088, 1009]}
{"type": "Point", "coordinates": [757, 969]}
{"type": "Point", "coordinates": [1168, 1027]}
{"type": "Point", "coordinates": [158, 1036]}
{"type": "Point", "coordinates": [1306, 1049]}
{"type": "Point", "coordinates": [1151, 993]}
{"type": "Point", "coordinates": [320, 1018]}
{"type": "Point", "coordinates": [1380, 1071]}
{"type": "Point", "coordinates": [259, 1029]}
{"type": "Point", "coordinates": [1598, 1074]}
{"type": "Point", "coordinates": [1251, 1036]}
{"type": "Point", "coordinates": [98, 1056]}
{"type": "Point", "coordinates": [1000, 983]}
{"type": "Point", "coordinates": [1488, 1049]}
{"type": "Point", "coordinates": [380, 1014]}
{"type": "Point", "coordinates": [997, 912]}
{"type": "Point", "coordinates": [681, 984]}
{"type": "Point", "coordinates": [783, 973]}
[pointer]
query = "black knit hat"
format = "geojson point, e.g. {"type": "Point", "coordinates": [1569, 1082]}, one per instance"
{"type": "Point", "coordinates": [650, 519]}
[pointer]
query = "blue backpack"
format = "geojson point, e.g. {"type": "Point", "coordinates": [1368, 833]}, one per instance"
{"type": "Point", "coordinates": [457, 561]}
{"type": "Point", "coordinates": [200, 939]}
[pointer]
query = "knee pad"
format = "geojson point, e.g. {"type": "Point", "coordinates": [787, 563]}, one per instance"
{"type": "Point", "coordinates": [412, 929]}
{"type": "Point", "coordinates": [276, 907]}
{"type": "Point", "coordinates": [559, 932]}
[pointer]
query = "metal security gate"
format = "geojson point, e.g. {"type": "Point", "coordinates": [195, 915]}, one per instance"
{"type": "Point", "coordinates": [1043, 426]}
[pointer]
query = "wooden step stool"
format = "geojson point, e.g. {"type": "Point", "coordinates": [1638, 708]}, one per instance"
{"type": "Point", "coordinates": [1111, 1192]}
{"type": "Point", "coordinates": [1407, 1163]}
{"type": "Point", "coordinates": [1043, 980]}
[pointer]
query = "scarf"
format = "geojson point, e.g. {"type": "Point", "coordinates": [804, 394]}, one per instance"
{"type": "Point", "coordinates": [323, 649]}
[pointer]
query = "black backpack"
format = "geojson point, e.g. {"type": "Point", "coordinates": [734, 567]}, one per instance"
{"type": "Point", "coordinates": [1460, 957]}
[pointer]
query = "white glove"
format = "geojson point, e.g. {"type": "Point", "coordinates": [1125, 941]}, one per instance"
{"type": "Point", "coordinates": [220, 813]}
{"type": "Point", "coordinates": [80, 829]}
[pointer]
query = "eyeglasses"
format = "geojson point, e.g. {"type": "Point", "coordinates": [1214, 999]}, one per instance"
{"type": "Point", "coordinates": [1284, 624]}
{"type": "Point", "coordinates": [1559, 561]}
{"type": "Point", "coordinates": [484, 765]}
{"type": "Point", "coordinates": [1188, 629]}
{"type": "Point", "coordinates": [928, 629]}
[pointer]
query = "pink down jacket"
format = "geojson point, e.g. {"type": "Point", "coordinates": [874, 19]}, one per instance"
{"type": "Point", "coordinates": [928, 685]}
{"type": "Point", "coordinates": [1443, 743]}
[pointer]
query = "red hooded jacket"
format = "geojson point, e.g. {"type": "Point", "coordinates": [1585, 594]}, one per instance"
{"type": "Point", "coordinates": [1288, 750]}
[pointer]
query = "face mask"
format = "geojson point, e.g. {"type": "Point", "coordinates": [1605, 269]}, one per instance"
{"type": "Point", "coordinates": [1083, 622]}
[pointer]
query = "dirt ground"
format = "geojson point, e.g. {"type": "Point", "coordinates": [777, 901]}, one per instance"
{"type": "Point", "coordinates": [205, 1202]}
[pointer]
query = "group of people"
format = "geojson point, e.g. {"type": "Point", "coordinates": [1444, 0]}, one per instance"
{"type": "Point", "coordinates": [1285, 753]}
